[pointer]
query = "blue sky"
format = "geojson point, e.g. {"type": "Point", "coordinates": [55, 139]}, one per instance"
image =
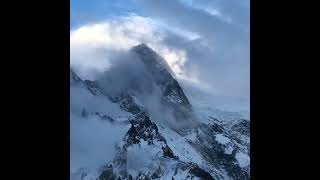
{"type": "Point", "coordinates": [86, 11]}
{"type": "Point", "coordinates": [206, 40]}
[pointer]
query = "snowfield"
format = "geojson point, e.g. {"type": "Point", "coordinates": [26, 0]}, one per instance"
{"type": "Point", "coordinates": [243, 159]}
{"type": "Point", "coordinates": [222, 139]}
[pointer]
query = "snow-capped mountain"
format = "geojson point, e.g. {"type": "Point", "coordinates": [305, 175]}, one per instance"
{"type": "Point", "coordinates": [147, 128]}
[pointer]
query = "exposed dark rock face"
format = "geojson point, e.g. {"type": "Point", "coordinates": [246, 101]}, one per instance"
{"type": "Point", "coordinates": [202, 174]}
{"type": "Point", "coordinates": [243, 127]}
{"type": "Point", "coordinates": [143, 128]}
{"type": "Point", "coordinates": [172, 93]}
{"type": "Point", "coordinates": [107, 173]}
{"type": "Point", "coordinates": [127, 103]}
{"type": "Point", "coordinates": [105, 117]}
{"type": "Point", "coordinates": [215, 127]}
{"type": "Point", "coordinates": [74, 78]}
{"type": "Point", "coordinates": [221, 155]}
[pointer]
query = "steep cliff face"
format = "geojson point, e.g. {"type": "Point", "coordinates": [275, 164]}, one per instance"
{"type": "Point", "coordinates": [172, 93]}
{"type": "Point", "coordinates": [147, 148]}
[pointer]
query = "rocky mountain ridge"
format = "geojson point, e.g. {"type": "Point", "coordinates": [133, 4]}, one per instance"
{"type": "Point", "coordinates": [151, 149]}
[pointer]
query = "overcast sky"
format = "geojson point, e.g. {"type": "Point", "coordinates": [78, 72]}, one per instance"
{"type": "Point", "coordinates": [205, 42]}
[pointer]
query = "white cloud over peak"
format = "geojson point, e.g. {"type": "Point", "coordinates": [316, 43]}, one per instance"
{"type": "Point", "coordinates": [204, 42]}
{"type": "Point", "coordinates": [93, 46]}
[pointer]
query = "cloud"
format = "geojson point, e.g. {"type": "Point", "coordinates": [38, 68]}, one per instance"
{"type": "Point", "coordinates": [197, 20]}
{"type": "Point", "coordinates": [237, 10]}
{"type": "Point", "coordinates": [204, 42]}
{"type": "Point", "coordinates": [93, 46]}
{"type": "Point", "coordinates": [221, 54]}
{"type": "Point", "coordinates": [89, 146]}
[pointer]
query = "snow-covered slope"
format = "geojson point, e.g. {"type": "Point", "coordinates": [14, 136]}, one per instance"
{"type": "Point", "coordinates": [126, 133]}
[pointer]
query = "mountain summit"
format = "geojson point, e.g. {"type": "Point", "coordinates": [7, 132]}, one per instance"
{"type": "Point", "coordinates": [163, 76]}
{"type": "Point", "coordinates": [152, 59]}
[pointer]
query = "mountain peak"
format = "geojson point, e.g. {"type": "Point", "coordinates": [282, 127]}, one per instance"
{"type": "Point", "coordinates": [142, 45]}
{"type": "Point", "coordinates": [151, 58]}
{"type": "Point", "coordinates": [150, 144]}
{"type": "Point", "coordinates": [163, 77]}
